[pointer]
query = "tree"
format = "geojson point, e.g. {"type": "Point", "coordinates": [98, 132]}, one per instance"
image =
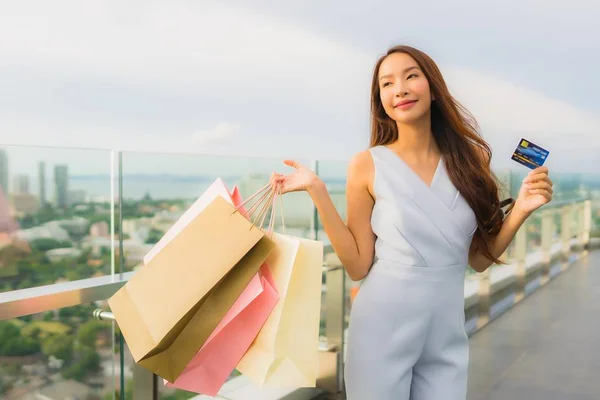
{"type": "Point", "coordinates": [178, 395]}
{"type": "Point", "coordinates": [8, 331]}
{"type": "Point", "coordinates": [3, 386]}
{"type": "Point", "coordinates": [19, 346]}
{"type": "Point", "coordinates": [13, 344]}
{"type": "Point", "coordinates": [59, 346]}
{"type": "Point", "coordinates": [154, 236]}
{"type": "Point", "coordinates": [45, 244]}
{"type": "Point", "coordinates": [88, 361]}
{"type": "Point", "coordinates": [88, 332]}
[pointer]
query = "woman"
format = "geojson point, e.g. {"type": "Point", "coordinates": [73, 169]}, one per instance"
{"type": "Point", "coordinates": [422, 203]}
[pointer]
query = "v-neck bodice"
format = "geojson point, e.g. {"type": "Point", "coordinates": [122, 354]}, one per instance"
{"type": "Point", "coordinates": [417, 224]}
{"type": "Point", "coordinates": [435, 173]}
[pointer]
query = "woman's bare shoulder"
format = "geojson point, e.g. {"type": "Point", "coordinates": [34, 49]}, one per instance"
{"type": "Point", "coordinates": [361, 164]}
{"type": "Point", "coordinates": [361, 171]}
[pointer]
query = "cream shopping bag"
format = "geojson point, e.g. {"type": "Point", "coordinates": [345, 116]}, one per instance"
{"type": "Point", "coordinates": [285, 354]}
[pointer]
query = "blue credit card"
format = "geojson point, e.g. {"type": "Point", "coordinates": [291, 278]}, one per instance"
{"type": "Point", "coordinates": [529, 154]}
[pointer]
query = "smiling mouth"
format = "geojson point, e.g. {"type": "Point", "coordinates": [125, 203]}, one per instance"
{"type": "Point", "coordinates": [405, 104]}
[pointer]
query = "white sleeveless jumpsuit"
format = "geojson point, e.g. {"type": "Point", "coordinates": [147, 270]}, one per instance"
{"type": "Point", "coordinates": [406, 338]}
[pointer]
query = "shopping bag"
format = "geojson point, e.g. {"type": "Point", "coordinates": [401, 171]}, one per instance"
{"type": "Point", "coordinates": [284, 353]}
{"type": "Point", "coordinates": [214, 362]}
{"type": "Point", "coordinates": [190, 280]}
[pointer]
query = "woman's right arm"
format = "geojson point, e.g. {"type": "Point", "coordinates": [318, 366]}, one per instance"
{"type": "Point", "coordinates": [354, 241]}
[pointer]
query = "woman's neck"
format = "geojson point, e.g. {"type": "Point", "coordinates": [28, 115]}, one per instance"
{"type": "Point", "coordinates": [415, 140]}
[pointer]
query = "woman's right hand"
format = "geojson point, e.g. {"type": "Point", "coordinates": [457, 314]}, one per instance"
{"type": "Point", "coordinates": [301, 179]}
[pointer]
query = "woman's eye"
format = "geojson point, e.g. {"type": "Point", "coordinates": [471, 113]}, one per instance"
{"type": "Point", "coordinates": [386, 84]}
{"type": "Point", "coordinates": [412, 75]}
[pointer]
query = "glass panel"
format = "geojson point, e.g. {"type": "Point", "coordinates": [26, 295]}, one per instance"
{"type": "Point", "coordinates": [54, 215]}
{"type": "Point", "coordinates": [334, 173]}
{"type": "Point", "coordinates": [57, 354]}
{"type": "Point", "coordinates": [158, 188]}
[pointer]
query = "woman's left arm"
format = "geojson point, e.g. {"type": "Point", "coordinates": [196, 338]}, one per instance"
{"type": "Point", "coordinates": [535, 191]}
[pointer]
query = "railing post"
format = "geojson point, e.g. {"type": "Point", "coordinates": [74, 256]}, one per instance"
{"type": "Point", "coordinates": [521, 250]}
{"type": "Point", "coordinates": [547, 235]}
{"type": "Point", "coordinates": [585, 223]}
{"type": "Point", "coordinates": [331, 356]}
{"type": "Point", "coordinates": [565, 228]}
{"type": "Point", "coordinates": [314, 218]}
{"type": "Point", "coordinates": [484, 294]}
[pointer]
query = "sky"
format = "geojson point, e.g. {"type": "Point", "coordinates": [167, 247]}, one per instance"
{"type": "Point", "coordinates": [282, 79]}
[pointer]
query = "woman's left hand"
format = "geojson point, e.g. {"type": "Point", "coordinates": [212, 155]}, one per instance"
{"type": "Point", "coordinates": [535, 191]}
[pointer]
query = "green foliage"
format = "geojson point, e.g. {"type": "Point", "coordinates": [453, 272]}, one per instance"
{"type": "Point", "coordinates": [82, 311]}
{"type": "Point", "coordinates": [19, 346]}
{"type": "Point", "coordinates": [178, 395]}
{"type": "Point", "coordinates": [154, 236]}
{"type": "Point", "coordinates": [49, 316]}
{"type": "Point", "coordinates": [59, 346]}
{"type": "Point", "coordinates": [47, 328]}
{"type": "Point", "coordinates": [87, 360]}
{"type": "Point", "coordinates": [4, 385]}
{"type": "Point", "coordinates": [8, 331]}
{"type": "Point", "coordinates": [88, 332]}
{"type": "Point", "coordinates": [12, 343]}
{"type": "Point", "coordinates": [128, 392]}
{"type": "Point", "coordinates": [45, 244]}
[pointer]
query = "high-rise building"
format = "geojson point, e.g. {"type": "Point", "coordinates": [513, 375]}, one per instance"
{"type": "Point", "coordinates": [42, 181]}
{"type": "Point", "coordinates": [61, 186]}
{"type": "Point", "coordinates": [4, 172]}
{"type": "Point", "coordinates": [20, 184]}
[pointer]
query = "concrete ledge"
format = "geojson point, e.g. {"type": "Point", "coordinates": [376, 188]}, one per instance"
{"type": "Point", "coordinates": [241, 388]}
{"type": "Point", "coordinates": [502, 276]}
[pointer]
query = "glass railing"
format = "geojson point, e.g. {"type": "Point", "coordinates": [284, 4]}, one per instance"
{"type": "Point", "coordinates": [55, 215]}
{"type": "Point", "coordinates": [76, 224]}
{"type": "Point", "coordinates": [61, 352]}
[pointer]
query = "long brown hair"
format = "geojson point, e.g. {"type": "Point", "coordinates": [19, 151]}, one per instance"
{"type": "Point", "coordinates": [456, 133]}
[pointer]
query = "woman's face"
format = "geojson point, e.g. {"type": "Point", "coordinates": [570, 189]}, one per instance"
{"type": "Point", "coordinates": [404, 90]}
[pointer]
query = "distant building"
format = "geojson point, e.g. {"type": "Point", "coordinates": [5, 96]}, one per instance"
{"type": "Point", "coordinates": [42, 182]}
{"type": "Point", "coordinates": [99, 229]}
{"type": "Point", "coordinates": [4, 171]}
{"type": "Point", "coordinates": [20, 184]}
{"type": "Point", "coordinates": [76, 196]}
{"type": "Point", "coordinates": [76, 226]}
{"type": "Point", "coordinates": [49, 230]}
{"type": "Point", "coordinates": [7, 222]}
{"type": "Point", "coordinates": [55, 255]}
{"type": "Point", "coordinates": [24, 203]}
{"type": "Point", "coordinates": [61, 186]}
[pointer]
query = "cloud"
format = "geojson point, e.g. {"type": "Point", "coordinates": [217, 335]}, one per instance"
{"type": "Point", "coordinates": [507, 112]}
{"type": "Point", "coordinates": [282, 80]}
{"type": "Point", "coordinates": [503, 106]}
{"type": "Point", "coordinates": [184, 45]}
{"type": "Point", "coordinates": [220, 134]}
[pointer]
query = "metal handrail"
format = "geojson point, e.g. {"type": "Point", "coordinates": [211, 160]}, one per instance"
{"type": "Point", "coordinates": [18, 303]}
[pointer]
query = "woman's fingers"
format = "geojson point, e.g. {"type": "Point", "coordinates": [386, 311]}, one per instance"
{"type": "Point", "coordinates": [542, 192]}
{"type": "Point", "coordinates": [540, 185]}
{"type": "Point", "coordinates": [292, 163]}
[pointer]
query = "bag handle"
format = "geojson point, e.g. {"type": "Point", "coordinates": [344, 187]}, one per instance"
{"type": "Point", "coordinates": [267, 196]}
{"type": "Point", "coordinates": [272, 220]}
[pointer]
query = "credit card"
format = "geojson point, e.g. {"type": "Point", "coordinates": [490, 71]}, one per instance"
{"type": "Point", "coordinates": [529, 154]}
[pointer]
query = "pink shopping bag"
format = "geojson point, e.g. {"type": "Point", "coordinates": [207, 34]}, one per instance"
{"type": "Point", "coordinates": [225, 347]}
